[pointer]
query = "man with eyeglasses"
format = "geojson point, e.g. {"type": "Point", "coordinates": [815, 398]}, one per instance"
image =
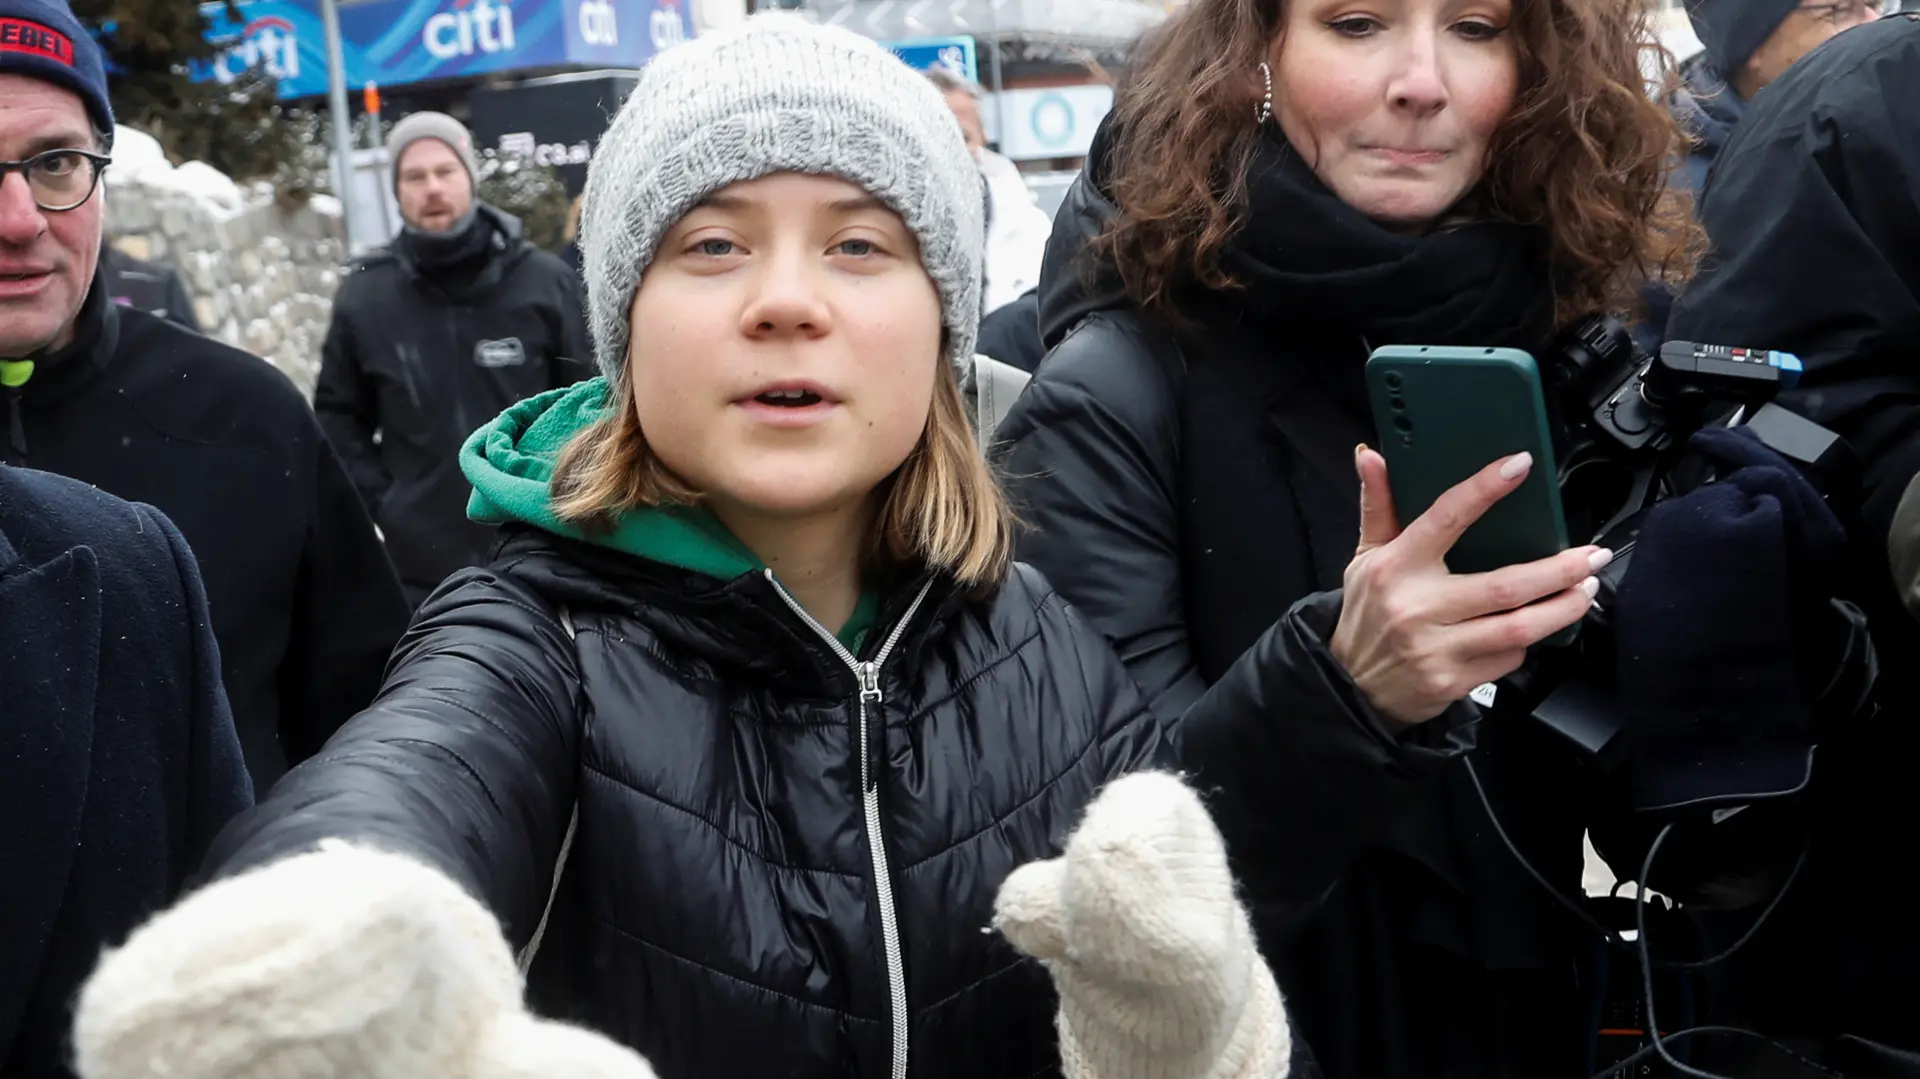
{"type": "Point", "coordinates": [1747, 45]}
{"type": "Point", "coordinates": [304, 603]}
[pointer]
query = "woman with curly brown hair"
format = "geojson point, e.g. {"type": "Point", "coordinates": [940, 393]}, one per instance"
{"type": "Point", "coordinates": [1283, 185]}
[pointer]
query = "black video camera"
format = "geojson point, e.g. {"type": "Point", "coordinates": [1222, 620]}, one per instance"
{"type": "Point", "coordinates": [1622, 421]}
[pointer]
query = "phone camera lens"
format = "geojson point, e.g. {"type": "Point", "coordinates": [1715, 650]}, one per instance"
{"type": "Point", "coordinates": [1394, 381]}
{"type": "Point", "coordinates": [1398, 404]}
{"type": "Point", "coordinates": [1403, 425]}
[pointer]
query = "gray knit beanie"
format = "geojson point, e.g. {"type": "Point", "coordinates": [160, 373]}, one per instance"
{"type": "Point", "coordinates": [778, 94]}
{"type": "Point", "coordinates": [432, 125]}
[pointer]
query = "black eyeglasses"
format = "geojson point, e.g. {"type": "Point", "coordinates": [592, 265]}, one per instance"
{"type": "Point", "coordinates": [60, 179]}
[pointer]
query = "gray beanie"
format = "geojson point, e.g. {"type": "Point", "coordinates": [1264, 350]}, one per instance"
{"type": "Point", "coordinates": [778, 94]}
{"type": "Point", "coordinates": [432, 125]}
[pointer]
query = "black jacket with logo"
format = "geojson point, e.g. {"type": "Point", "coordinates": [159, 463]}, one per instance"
{"type": "Point", "coordinates": [416, 360]}
{"type": "Point", "coordinates": [305, 604]}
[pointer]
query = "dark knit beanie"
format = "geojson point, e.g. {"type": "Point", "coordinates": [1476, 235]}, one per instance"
{"type": "Point", "coordinates": [1733, 30]}
{"type": "Point", "coordinates": [42, 40]}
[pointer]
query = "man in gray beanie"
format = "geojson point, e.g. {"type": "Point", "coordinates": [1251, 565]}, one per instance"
{"type": "Point", "coordinates": [1747, 44]}
{"type": "Point", "coordinates": [458, 319]}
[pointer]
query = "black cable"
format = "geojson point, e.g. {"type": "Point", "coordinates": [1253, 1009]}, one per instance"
{"type": "Point", "coordinates": [1613, 1070]}
{"type": "Point", "coordinates": [1644, 951]}
{"type": "Point", "coordinates": [1773, 904]}
{"type": "Point", "coordinates": [1608, 935]}
{"type": "Point", "coordinates": [1500, 830]}
{"type": "Point", "coordinates": [1646, 961]}
{"type": "Point", "coordinates": [1647, 965]}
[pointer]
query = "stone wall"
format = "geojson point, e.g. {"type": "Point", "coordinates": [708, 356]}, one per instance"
{"type": "Point", "coordinates": [262, 276]}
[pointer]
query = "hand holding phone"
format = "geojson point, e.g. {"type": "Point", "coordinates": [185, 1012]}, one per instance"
{"type": "Point", "coordinates": [1416, 637]}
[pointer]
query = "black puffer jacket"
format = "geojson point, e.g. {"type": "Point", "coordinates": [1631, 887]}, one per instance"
{"type": "Point", "coordinates": [719, 910]}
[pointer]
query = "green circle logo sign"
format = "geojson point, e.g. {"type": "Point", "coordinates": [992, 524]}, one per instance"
{"type": "Point", "coordinates": [1051, 120]}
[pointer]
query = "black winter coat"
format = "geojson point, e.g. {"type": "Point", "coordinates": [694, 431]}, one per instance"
{"type": "Point", "coordinates": [1814, 215]}
{"type": "Point", "coordinates": [417, 358]}
{"type": "Point", "coordinates": [118, 759]}
{"type": "Point", "coordinates": [304, 601]}
{"type": "Point", "coordinates": [1408, 941]}
{"type": "Point", "coordinates": [725, 903]}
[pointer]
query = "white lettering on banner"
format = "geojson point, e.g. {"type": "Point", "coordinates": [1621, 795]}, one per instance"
{"type": "Point", "coordinates": [268, 42]}
{"type": "Point", "coordinates": [523, 144]}
{"type": "Point", "coordinates": [486, 27]}
{"type": "Point", "coordinates": [599, 23]}
{"type": "Point", "coordinates": [665, 26]}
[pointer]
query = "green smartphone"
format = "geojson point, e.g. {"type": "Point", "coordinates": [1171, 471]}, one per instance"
{"type": "Point", "coordinates": [1444, 414]}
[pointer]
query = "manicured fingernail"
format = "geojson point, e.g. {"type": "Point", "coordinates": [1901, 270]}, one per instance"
{"type": "Point", "coordinates": [1591, 586]}
{"type": "Point", "coordinates": [1516, 466]}
{"type": "Point", "coordinates": [1599, 560]}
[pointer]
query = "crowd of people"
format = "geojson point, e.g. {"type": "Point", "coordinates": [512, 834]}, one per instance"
{"type": "Point", "coordinates": [650, 662]}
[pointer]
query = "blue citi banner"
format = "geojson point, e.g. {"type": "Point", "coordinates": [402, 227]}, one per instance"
{"type": "Point", "coordinates": [957, 54]}
{"type": "Point", "coordinates": [395, 42]}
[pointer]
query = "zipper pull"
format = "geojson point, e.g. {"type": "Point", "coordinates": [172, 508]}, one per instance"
{"type": "Point", "coordinates": [872, 726]}
{"type": "Point", "coordinates": [869, 676]}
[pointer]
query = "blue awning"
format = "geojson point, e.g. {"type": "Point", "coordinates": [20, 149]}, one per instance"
{"type": "Point", "coordinates": [396, 42]}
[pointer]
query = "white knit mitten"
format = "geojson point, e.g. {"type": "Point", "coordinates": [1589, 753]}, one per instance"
{"type": "Point", "coordinates": [344, 963]}
{"type": "Point", "coordinates": [1152, 954]}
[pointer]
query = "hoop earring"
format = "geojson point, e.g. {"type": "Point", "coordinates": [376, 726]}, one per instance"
{"type": "Point", "coordinates": [1264, 111]}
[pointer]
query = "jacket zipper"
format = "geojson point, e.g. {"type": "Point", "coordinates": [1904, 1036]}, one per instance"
{"type": "Point", "coordinates": [868, 675]}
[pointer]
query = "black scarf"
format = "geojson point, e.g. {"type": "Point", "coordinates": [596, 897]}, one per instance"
{"type": "Point", "coordinates": [1316, 272]}
{"type": "Point", "coordinates": [1321, 286]}
{"type": "Point", "coordinates": [455, 259]}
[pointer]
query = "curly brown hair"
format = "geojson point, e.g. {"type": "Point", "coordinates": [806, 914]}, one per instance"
{"type": "Point", "coordinates": [1586, 152]}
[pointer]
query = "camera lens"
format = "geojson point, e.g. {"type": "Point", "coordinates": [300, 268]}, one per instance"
{"type": "Point", "coordinates": [1403, 425]}
{"type": "Point", "coordinates": [1397, 403]}
{"type": "Point", "coordinates": [1394, 381]}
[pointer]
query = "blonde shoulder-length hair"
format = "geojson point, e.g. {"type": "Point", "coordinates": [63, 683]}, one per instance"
{"type": "Point", "coordinates": [941, 509]}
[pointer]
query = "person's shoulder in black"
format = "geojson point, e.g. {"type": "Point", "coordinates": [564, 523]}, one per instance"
{"type": "Point", "coordinates": [1815, 224]}
{"type": "Point", "coordinates": [148, 286]}
{"type": "Point", "coordinates": [1011, 333]}
{"type": "Point", "coordinates": [118, 752]}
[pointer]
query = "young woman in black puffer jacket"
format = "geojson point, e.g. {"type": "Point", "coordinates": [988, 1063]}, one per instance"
{"type": "Point", "coordinates": [751, 716]}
